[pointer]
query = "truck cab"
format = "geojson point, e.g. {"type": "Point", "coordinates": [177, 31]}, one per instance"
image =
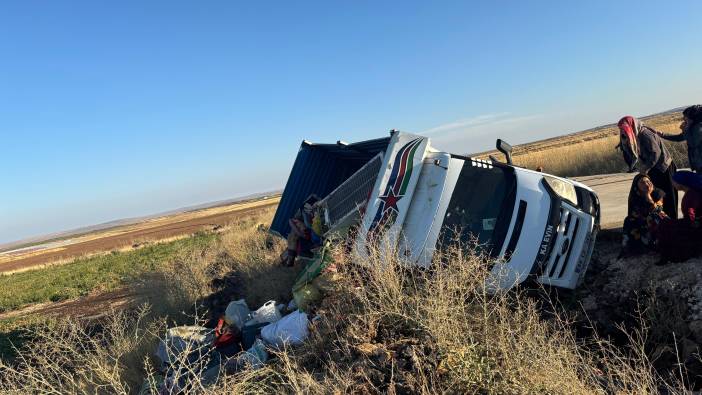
{"type": "Point", "coordinates": [415, 198]}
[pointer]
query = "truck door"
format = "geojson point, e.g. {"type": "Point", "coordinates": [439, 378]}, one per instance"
{"type": "Point", "coordinates": [392, 193]}
{"type": "Point", "coordinates": [418, 238]}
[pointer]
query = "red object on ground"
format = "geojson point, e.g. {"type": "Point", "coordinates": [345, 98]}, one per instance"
{"type": "Point", "coordinates": [224, 334]}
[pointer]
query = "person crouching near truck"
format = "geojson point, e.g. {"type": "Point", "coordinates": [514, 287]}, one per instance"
{"type": "Point", "coordinates": [691, 127]}
{"type": "Point", "coordinates": [644, 215]}
{"type": "Point", "coordinates": [643, 148]}
{"type": "Point", "coordinates": [681, 239]}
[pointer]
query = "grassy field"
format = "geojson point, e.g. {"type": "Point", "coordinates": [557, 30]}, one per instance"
{"type": "Point", "coordinates": [96, 274]}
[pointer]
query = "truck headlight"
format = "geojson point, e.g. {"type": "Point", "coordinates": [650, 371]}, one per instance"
{"type": "Point", "coordinates": [563, 189]}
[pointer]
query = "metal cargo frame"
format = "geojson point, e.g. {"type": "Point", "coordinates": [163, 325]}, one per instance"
{"type": "Point", "coordinates": [319, 169]}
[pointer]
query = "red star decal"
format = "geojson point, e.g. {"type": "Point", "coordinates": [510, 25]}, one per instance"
{"type": "Point", "coordinates": [391, 201]}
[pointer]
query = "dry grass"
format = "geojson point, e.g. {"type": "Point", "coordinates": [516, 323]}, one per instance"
{"type": "Point", "coordinates": [71, 357]}
{"type": "Point", "coordinates": [583, 158]}
{"type": "Point", "coordinates": [592, 152]}
{"type": "Point", "coordinates": [589, 158]}
{"type": "Point", "coordinates": [393, 330]}
{"type": "Point", "coordinates": [244, 250]}
{"type": "Point", "coordinates": [386, 329]}
{"type": "Point", "coordinates": [254, 258]}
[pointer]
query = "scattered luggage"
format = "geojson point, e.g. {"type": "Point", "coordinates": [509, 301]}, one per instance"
{"type": "Point", "coordinates": [290, 330]}
{"type": "Point", "coordinates": [251, 330]}
{"type": "Point", "coordinates": [225, 335]}
{"type": "Point", "coordinates": [196, 341]}
{"type": "Point", "coordinates": [253, 358]}
{"type": "Point", "coordinates": [195, 354]}
{"type": "Point", "coordinates": [237, 313]}
{"type": "Point", "coordinates": [267, 313]}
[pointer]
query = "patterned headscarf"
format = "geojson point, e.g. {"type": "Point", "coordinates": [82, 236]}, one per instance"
{"type": "Point", "coordinates": [629, 129]}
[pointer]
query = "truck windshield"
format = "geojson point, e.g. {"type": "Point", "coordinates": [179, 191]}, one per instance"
{"type": "Point", "coordinates": [481, 207]}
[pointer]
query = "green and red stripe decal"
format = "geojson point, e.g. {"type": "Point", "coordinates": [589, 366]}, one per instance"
{"type": "Point", "coordinates": [396, 186]}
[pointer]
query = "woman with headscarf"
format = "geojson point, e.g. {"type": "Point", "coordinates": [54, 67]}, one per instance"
{"type": "Point", "coordinates": [691, 127]}
{"type": "Point", "coordinates": [682, 239]}
{"type": "Point", "coordinates": [643, 149]}
{"type": "Point", "coordinates": [644, 215]}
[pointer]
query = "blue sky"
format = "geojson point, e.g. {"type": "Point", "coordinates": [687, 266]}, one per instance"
{"type": "Point", "coordinates": [119, 109]}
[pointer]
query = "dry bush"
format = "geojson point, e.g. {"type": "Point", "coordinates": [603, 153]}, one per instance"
{"type": "Point", "coordinates": [79, 357]}
{"type": "Point", "coordinates": [248, 240]}
{"type": "Point", "coordinates": [254, 260]}
{"type": "Point", "coordinates": [244, 250]}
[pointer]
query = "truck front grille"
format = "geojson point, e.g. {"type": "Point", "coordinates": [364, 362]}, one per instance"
{"type": "Point", "coordinates": [561, 255]}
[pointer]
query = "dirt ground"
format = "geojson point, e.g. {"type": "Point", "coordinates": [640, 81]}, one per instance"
{"type": "Point", "coordinates": [90, 306]}
{"type": "Point", "coordinates": [131, 236]}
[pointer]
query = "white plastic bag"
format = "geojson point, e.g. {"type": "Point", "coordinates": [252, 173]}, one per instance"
{"type": "Point", "coordinates": [237, 313]}
{"type": "Point", "coordinates": [291, 330]}
{"type": "Point", "coordinates": [266, 313]}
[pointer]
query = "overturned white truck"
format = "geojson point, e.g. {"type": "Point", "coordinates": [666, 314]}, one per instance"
{"type": "Point", "coordinates": [535, 226]}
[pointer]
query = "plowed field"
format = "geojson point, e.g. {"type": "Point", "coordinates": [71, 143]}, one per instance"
{"type": "Point", "coordinates": [128, 236]}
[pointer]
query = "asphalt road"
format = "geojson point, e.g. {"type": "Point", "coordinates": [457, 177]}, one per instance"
{"type": "Point", "coordinates": [613, 191]}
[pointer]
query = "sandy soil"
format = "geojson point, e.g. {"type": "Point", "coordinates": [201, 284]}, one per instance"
{"type": "Point", "coordinates": [129, 236]}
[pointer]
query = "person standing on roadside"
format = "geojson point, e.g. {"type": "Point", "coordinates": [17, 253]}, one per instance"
{"type": "Point", "coordinates": [643, 149]}
{"type": "Point", "coordinates": [691, 127]}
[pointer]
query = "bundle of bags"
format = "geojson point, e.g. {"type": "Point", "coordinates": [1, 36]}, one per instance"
{"type": "Point", "coordinates": [190, 353]}
{"type": "Point", "coordinates": [242, 337]}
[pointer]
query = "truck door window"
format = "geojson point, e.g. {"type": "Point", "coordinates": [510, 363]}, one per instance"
{"type": "Point", "coordinates": [481, 207]}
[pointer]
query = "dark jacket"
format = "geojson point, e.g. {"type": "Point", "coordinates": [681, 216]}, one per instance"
{"type": "Point", "coordinates": [693, 136]}
{"type": "Point", "coordinates": [652, 153]}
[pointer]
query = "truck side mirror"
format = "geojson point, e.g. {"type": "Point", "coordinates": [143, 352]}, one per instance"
{"type": "Point", "coordinates": [505, 148]}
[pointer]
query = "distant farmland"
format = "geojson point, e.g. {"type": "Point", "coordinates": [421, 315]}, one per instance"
{"type": "Point", "coordinates": [125, 237]}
